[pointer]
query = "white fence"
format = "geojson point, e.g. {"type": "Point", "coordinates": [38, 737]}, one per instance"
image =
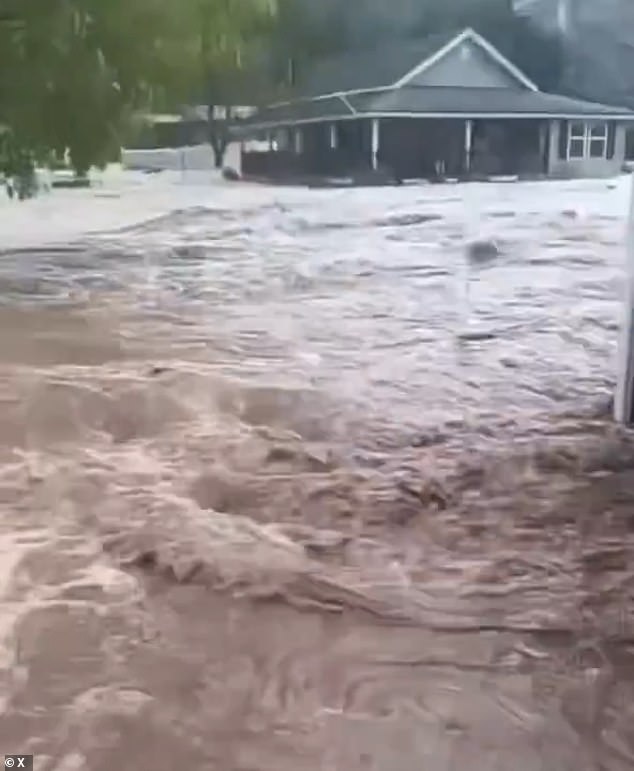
{"type": "Point", "coordinates": [195, 158]}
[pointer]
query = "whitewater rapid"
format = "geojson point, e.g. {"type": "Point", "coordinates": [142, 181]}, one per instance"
{"type": "Point", "coordinates": [288, 480]}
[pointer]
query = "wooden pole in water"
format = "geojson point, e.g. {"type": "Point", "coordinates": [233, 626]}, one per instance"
{"type": "Point", "coordinates": [624, 396]}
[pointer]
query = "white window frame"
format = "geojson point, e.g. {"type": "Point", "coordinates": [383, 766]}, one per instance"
{"type": "Point", "coordinates": [591, 134]}
{"type": "Point", "coordinates": [596, 137]}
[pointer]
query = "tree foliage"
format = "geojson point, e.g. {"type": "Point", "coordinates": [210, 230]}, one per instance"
{"type": "Point", "coordinates": [73, 71]}
{"type": "Point", "coordinates": [307, 29]}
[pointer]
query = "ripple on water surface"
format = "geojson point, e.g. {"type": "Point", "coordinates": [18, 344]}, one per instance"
{"type": "Point", "coordinates": [284, 491]}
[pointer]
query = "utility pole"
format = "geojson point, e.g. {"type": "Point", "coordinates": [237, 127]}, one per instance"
{"type": "Point", "coordinates": [624, 396]}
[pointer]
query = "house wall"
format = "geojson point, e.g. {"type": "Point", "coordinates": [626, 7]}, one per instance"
{"type": "Point", "coordinates": [586, 167]}
{"type": "Point", "coordinates": [467, 66]}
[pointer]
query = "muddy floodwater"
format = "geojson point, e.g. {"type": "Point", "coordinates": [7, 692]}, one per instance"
{"type": "Point", "coordinates": [293, 480]}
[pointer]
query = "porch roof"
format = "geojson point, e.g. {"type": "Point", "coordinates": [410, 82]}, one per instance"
{"type": "Point", "coordinates": [483, 101]}
{"type": "Point", "coordinates": [432, 102]}
{"type": "Point", "coordinates": [304, 111]}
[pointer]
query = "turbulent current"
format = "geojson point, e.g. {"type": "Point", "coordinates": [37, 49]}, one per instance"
{"type": "Point", "coordinates": [299, 480]}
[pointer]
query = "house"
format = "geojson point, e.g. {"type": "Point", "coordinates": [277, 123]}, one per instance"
{"type": "Point", "coordinates": [445, 106]}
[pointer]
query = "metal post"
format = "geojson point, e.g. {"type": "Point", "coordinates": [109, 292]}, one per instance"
{"type": "Point", "coordinates": [299, 146]}
{"type": "Point", "coordinates": [624, 396]}
{"type": "Point", "coordinates": [375, 144]}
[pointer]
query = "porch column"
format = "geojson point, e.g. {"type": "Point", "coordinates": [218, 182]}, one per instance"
{"type": "Point", "coordinates": [332, 136]}
{"type": "Point", "coordinates": [299, 145]}
{"type": "Point", "coordinates": [468, 143]}
{"type": "Point", "coordinates": [375, 143]}
{"type": "Point", "coordinates": [544, 143]}
{"type": "Point", "coordinates": [554, 127]}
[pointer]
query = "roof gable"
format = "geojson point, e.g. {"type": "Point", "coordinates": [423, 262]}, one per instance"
{"type": "Point", "coordinates": [467, 35]}
{"type": "Point", "coordinates": [466, 66]}
{"type": "Point", "coordinates": [396, 65]}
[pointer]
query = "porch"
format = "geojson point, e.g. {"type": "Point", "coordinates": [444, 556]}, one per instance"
{"type": "Point", "coordinates": [404, 148]}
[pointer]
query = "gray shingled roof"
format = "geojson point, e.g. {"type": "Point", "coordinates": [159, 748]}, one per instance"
{"type": "Point", "coordinates": [381, 68]}
{"type": "Point", "coordinates": [477, 101]}
{"type": "Point", "coordinates": [462, 102]}
{"type": "Point", "coordinates": [374, 68]}
{"type": "Point", "coordinates": [292, 112]}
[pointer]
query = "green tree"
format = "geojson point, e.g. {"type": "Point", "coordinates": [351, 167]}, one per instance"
{"type": "Point", "coordinates": [234, 71]}
{"type": "Point", "coordinates": [72, 72]}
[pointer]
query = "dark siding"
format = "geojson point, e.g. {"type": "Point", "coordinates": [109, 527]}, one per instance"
{"type": "Point", "coordinates": [563, 139]}
{"type": "Point", "coordinates": [611, 139]}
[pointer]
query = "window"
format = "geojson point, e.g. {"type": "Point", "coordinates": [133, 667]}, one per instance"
{"type": "Point", "coordinates": [577, 141]}
{"type": "Point", "coordinates": [599, 140]}
{"type": "Point", "coordinates": [587, 140]}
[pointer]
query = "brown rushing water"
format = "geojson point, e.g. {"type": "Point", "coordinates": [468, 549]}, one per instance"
{"type": "Point", "coordinates": [276, 496]}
